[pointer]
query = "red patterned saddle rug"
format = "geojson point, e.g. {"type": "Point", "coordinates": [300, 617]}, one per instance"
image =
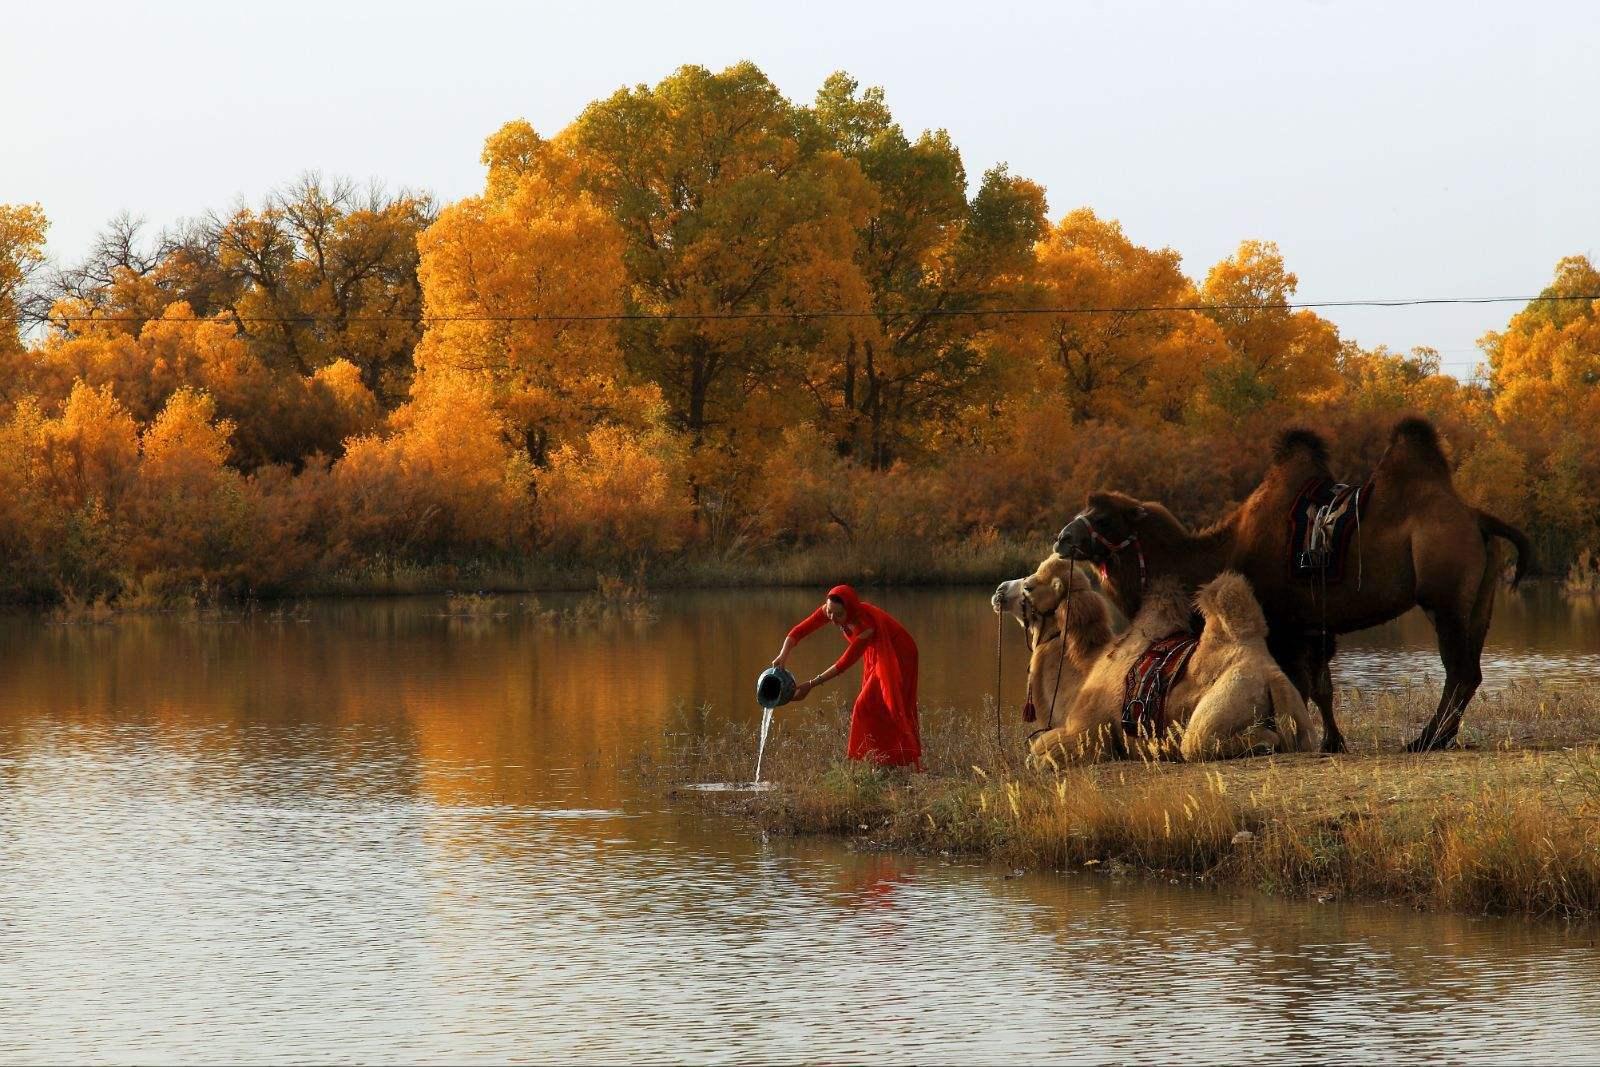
{"type": "Point", "coordinates": [1150, 680]}
{"type": "Point", "coordinates": [1324, 517]}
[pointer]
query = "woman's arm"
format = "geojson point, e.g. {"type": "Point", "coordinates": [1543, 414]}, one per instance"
{"type": "Point", "coordinates": [803, 629]}
{"type": "Point", "coordinates": [782, 658]}
{"type": "Point", "coordinates": [855, 650]}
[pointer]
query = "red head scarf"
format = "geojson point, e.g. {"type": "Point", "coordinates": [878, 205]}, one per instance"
{"type": "Point", "coordinates": [845, 595]}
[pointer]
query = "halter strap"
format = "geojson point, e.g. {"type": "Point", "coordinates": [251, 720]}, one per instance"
{"type": "Point", "coordinates": [1115, 547]}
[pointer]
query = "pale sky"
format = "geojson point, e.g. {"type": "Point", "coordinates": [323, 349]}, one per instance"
{"type": "Point", "coordinates": [1391, 149]}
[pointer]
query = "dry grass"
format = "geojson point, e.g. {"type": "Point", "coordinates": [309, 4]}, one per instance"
{"type": "Point", "coordinates": [474, 606]}
{"type": "Point", "coordinates": [1511, 825]}
{"type": "Point", "coordinates": [1583, 577]}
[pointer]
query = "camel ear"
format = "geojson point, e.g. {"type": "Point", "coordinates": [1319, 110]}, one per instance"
{"type": "Point", "coordinates": [1059, 586]}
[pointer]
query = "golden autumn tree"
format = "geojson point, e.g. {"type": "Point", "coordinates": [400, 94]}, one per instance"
{"type": "Point", "coordinates": [1115, 360]}
{"type": "Point", "coordinates": [521, 287]}
{"type": "Point", "coordinates": [1545, 366]}
{"type": "Point", "coordinates": [732, 220]}
{"type": "Point", "coordinates": [617, 494]}
{"type": "Point", "coordinates": [1277, 355]}
{"type": "Point", "coordinates": [1544, 373]}
{"type": "Point", "coordinates": [932, 259]}
{"type": "Point", "coordinates": [192, 513]}
{"type": "Point", "coordinates": [22, 230]}
{"type": "Point", "coordinates": [1378, 381]}
{"type": "Point", "coordinates": [322, 270]}
{"type": "Point", "coordinates": [328, 271]}
{"type": "Point", "coordinates": [279, 417]}
{"type": "Point", "coordinates": [446, 478]}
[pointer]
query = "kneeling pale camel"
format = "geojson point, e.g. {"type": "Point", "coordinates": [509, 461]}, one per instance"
{"type": "Point", "coordinates": [1068, 625]}
{"type": "Point", "coordinates": [1231, 700]}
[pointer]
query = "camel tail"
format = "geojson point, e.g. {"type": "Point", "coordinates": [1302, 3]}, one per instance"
{"type": "Point", "coordinates": [1493, 527]}
{"type": "Point", "coordinates": [1228, 602]}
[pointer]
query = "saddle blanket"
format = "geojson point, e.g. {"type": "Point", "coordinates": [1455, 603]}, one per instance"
{"type": "Point", "coordinates": [1325, 516]}
{"type": "Point", "coordinates": [1150, 679]}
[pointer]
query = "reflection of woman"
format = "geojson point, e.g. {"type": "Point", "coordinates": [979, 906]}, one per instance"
{"type": "Point", "coordinates": [883, 723]}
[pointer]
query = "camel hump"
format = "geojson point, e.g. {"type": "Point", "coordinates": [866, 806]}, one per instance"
{"type": "Point", "coordinates": [1229, 602]}
{"type": "Point", "coordinates": [1415, 449]}
{"type": "Point", "coordinates": [1165, 608]}
{"type": "Point", "coordinates": [1299, 441]}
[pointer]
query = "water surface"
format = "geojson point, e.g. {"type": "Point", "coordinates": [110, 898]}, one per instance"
{"type": "Point", "coordinates": [374, 833]}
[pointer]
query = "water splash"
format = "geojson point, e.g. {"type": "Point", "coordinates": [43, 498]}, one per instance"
{"type": "Point", "coordinates": [761, 747]}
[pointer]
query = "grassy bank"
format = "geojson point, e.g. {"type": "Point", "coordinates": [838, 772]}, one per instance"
{"type": "Point", "coordinates": [898, 563]}
{"type": "Point", "coordinates": [1510, 825]}
{"type": "Point", "coordinates": [892, 563]}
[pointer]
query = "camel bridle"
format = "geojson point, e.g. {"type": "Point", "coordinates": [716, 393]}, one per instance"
{"type": "Point", "coordinates": [1035, 639]}
{"type": "Point", "coordinates": [1112, 548]}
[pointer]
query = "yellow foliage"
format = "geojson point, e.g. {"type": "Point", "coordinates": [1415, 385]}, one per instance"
{"type": "Point", "coordinates": [22, 230]}
{"type": "Point", "coordinates": [1494, 476]}
{"type": "Point", "coordinates": [1545, 367]}
{"type": "Point", "coordinates": [447, 477]}
{"type": "Point", "coordinates": [185, 448]}
{"type": "Point", "coordinates": [623, 321]}
{"type": "Point", "coordinates": [1277, 355]}
{"type": "Point", "coordinates": [508, 281]}
{"type": "Point", "coordinates": [1119, 364]}
{"type": "Point", "coordinates": [617, 494]}
{"type": "Point", "coordinates": [91, 451]}
{"type": "Point", "coordinates": [357, 407]}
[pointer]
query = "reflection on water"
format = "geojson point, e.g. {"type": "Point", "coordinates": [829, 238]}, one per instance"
{"type": "Point", "coordinates": [380, 834]}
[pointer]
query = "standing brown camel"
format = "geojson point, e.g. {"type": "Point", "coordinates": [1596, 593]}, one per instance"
{"type": "Point", "coordinates": [1418, 543]}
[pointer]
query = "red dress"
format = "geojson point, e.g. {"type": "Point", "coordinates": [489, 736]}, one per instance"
{"type": "Point", "coordinates": [883, 723]}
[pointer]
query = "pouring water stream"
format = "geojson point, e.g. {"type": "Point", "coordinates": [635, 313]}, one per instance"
{"type": "Point", "coordinates": [761, 747]}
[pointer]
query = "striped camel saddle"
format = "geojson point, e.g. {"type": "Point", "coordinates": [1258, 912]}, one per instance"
{"type": "Point", "coordinates": [1150, 680]}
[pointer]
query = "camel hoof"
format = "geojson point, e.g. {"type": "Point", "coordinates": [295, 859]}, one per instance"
{"type": "Point", "coordinates": [1333, 746]}
{"type": "Point", "coordinates": [1426, 744]}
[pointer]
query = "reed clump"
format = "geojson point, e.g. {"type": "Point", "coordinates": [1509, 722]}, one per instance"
{"type": "Point", "coordinates": [1509, 826]}
{"type": "Point", "coordinates": [1583, 577]}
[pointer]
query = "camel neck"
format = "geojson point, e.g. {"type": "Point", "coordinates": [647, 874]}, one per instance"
{"type": "Point", "coordinates": [1192, 558]}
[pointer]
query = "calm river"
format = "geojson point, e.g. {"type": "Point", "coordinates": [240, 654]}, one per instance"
{"type": "Point", "coordinates": [372, 833]}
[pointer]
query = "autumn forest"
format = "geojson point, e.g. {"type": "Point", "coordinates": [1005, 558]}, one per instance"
{"type": "Point", "coordinates": [702, 322]}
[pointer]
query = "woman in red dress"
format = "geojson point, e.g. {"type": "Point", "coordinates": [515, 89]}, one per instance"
{"type": "Point", "coordinates": [883, 723]}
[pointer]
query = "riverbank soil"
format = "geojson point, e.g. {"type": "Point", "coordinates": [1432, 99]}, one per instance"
{"type": "Point", "coordinates": [1509, 824]}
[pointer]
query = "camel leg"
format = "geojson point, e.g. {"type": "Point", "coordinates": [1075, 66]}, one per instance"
{"type": "Point", "coordinates": [1462, 676]}
{"type": "Point", "coordinates": [1066, 745]}
{"type": "Point", "coordinates": [1322, 693]}
{"type": "Point", "coordinates": [1228, 723]}
{"type": "Point", "coordinates": [1312, 681]}
{"type": "Point", "coordinates": [1461, 639]}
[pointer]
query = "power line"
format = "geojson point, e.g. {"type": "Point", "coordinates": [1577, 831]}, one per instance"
{"type": "Point", "coordinates": [842, 313]}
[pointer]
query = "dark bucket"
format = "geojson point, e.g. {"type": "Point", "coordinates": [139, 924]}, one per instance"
{"type": "Point", "coordinates": [774, 688]}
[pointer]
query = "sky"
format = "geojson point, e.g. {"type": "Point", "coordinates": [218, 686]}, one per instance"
{"type": "Point", "coordinates": [1392, 150]}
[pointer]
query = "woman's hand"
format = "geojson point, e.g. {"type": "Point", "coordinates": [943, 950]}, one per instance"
{"type": "Point", "coordinates": [800, 691]}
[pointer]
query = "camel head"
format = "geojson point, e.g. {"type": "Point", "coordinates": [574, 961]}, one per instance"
{"type": "Point", "coordinates": [1041, 592]}
{"type": "Point", "coordinates": [1108, 522]}
{"type": "Point", "coordinates": [1047, 587]}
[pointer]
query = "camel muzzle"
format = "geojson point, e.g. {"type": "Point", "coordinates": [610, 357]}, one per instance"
{"type": "Point", "coordinates": [1077, 541]}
